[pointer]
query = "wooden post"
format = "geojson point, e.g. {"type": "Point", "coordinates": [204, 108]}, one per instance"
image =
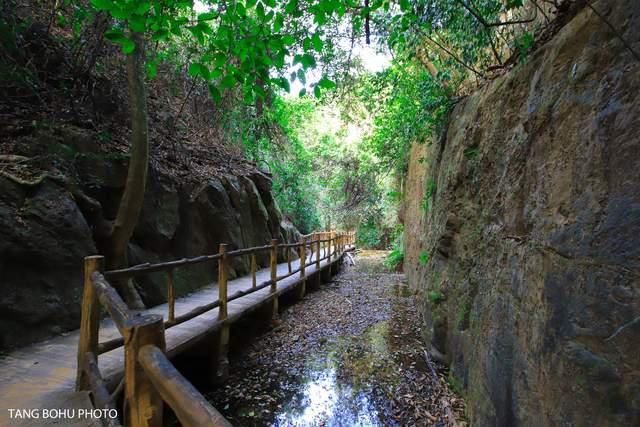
{"type": "Point", "coordinates": [289, 259]}
{"type": "Point", "coordinates": [334, 238]}
{"type": "Point", "coordinates": [254, 268]}
{"type": "Point", "coordinates": [222, 281]}
{"type": "Point", "coordinates": [303, 260]}
{"type": "Point", "coordinates": [142, 402]}
{"type": "Point", "coordinates": [318, 256]}
{"type": "Point", "coordinates": [89, 320]}
{"type": "Point", "coordinates": [171, 296]}
{"type": "Point", "coordinates": [274, 277]}
{"type": "Point", "coordinates": [221, 359]}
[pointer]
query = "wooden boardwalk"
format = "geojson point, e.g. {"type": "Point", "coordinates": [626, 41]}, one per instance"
{"type": "Point", "coordinates": [43, 375]}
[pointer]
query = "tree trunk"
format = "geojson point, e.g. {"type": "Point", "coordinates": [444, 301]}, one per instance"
{"type": "Point", "coordinates": [131, 202]}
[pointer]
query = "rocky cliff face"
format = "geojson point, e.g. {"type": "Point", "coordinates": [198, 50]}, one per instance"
{"type": "Point", "coordinates": [47, 226]}
{"type": "Point", "coordinates": [523, 233]}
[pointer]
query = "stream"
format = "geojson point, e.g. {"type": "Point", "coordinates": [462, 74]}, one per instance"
{"type": "Point", "coordinates": [349, 354]}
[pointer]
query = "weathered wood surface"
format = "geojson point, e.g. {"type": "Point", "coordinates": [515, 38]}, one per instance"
{"type": "Point", "coordinates": [35, 376]}
{"type": "Point", "coordinates": [189, 405]}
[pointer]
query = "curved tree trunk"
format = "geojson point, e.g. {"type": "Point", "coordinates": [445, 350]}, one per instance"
{"type": "Point", "coordinates": [131, 202]}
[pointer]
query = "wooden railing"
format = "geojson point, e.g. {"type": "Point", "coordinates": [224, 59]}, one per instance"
{"type": "Point", "coordinates": [149, 377]}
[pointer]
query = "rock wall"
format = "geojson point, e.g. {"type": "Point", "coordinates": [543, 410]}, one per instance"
{"type": "Point", "coordinates": [47, 227]}
{"type": "Point", "coordinates": [527, 254]}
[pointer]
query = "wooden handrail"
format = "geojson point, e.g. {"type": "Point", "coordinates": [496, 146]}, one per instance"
{"type": "Point", "coordinates": [147, 268]}
{"type": "Point", "coordinates": [191, 408]}
{"type": "Point", "coordinates": [149, 376]}
{"type": "Point", "coordinates": [110, 299]}
{"type": "Point", "coordinates": [247, 251]}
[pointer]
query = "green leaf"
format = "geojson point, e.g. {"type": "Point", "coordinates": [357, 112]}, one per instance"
{"type": "Point", "coordinates": [197, 69]}
{"type": "Point", "coordinates": [307, 44]}
{"type": "Point", "coordinates": [115, 35]}
{"type": "Point", "coordinates": [260, 10]}
{"type": "Point", "coordinates": [137, 23]}
{"type": "Point", "coordinates": [291, 6]}
{"type": "Point", "coordinates": [325, 83]}
{"type": "Point", "coordinates": [220, 59]}
{"type": "Point", "coordinates": [207, 16]}
{"type": "Point", "coordinates": [316, 91]}
{"type": "Point", "coordinates": [162, 34]}
{"type": "Point", "coordinates": [317, 42]}
{"type": "Point", "coordinates": [302, 92]}
{"type": "Point", "coordinates": [513, 4]}
{"type": "Point", "coordinates": [102, 4]}
{"type": "Point", "coordinates": [215, 93]}
{"type": "Point", "coordinates": [283, 83]}
{"type": "Point", "coordinates": [250, 3]}
{"type": "Point", "coordinates": [288, 40]}
{"type": "Point", "coordinates": [278, 23]}
{"type": "Point", "coordinates": [301, 76]}
{"type": "Point", "coordinates": [152, 70]}
{"type": "Point", "coordinates": [128, 46]}
{"type": "Point", "coordinates": [307, 61]}
{"type": "Point", "coordinates": [227, 82]}
{"type": "Point", "coordinates": [142, 7]}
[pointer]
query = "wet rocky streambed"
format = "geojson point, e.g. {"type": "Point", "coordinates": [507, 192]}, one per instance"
{"type": "Point", "coordinates": [349, 354]}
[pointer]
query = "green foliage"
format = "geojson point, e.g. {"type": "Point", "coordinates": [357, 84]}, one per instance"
{"type": "Point", "coordinates": [454, 383]}
{"type": "Point", "coordinates": [229, 46]}
{"type": "Point", "coordinates": [407, 105]}
{"type": "Point", "coordinates": [471, 152]}
{"type": "Point", "coordinates": [430, 191]}
{"type": "Point", "coordinates": [435, 297]}
{"type": "Point", "coordinates": [290, 162]}
{"type": "Point", "coordinates": [396, 257]}
{"type": "Point", "coordinates": [368, 235]}
{"type": "Point", "coordinates": [524, 43]}
{"type": "Point", "coordinates": [424, 257]}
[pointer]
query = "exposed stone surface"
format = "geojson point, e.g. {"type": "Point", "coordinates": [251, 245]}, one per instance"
{"type": "Point", "coordinates": [532, 288]}
{"type": "Point", "coordinates": [45, 232]}
{"type": "Point", "coordinates": [43, 238]}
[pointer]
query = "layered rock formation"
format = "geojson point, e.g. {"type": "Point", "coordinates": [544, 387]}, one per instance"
{"type": "Point", "coordinates": [48, 225]}
{"type": "Point", "coordinates": [523, 233]}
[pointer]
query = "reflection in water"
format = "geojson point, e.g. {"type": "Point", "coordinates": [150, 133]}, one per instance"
{"type": "Point", "coordinates": [329, 403]}
{"type": "Point", "coordinates": [337, 389]}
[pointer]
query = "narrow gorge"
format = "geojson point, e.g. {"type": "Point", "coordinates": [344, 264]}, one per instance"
{"type": "Point", "coordinates": [320, 213]}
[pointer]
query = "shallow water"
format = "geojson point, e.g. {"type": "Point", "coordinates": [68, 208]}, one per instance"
{"type": "Point", "coordinates": [346, 381]}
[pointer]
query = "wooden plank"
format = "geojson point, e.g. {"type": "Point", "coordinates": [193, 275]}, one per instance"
{"type": "Point", "coordinates": [191, 407]}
